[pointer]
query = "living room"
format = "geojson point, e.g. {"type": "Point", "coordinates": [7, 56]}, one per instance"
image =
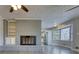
{"type": "Point", "coordinates": [21, 31]}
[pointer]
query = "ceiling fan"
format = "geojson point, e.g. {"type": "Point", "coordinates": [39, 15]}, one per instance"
{"type": "Point", "coordinates": [17, 7]}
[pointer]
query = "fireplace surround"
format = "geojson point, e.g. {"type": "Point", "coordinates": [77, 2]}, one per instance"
{"type": "Point", "coordinates": [27, 40]}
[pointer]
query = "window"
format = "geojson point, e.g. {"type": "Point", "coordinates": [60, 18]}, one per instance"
{"type": "Point", "coordinates": [65, 33]}
{"type": "Point", "coordinates": [62, 34]}
{"type": "Point", "coordinates": [56, 34]}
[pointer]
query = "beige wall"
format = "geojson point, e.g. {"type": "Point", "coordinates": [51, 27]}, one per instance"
{"type": "Point", "coordinates": [1, 31]}
{"type": "Point", "coordinates": [28, 27]}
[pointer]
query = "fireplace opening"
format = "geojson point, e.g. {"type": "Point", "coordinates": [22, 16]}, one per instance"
{"type": "Point", "coordinates": [27, 40]}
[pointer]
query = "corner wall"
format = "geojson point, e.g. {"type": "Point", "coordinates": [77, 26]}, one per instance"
{"type": "Point", "coordinates": [1, 31]}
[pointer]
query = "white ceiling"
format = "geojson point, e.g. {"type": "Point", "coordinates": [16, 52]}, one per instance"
{"type": "Point", "coordinates": [49, 14]}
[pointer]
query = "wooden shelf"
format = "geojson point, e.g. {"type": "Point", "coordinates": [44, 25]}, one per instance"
{"type": "Point", "coordinates": [12, 28]}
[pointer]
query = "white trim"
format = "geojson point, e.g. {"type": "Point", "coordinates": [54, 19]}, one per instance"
{"type": "Point", "coordinates": [27, 18]}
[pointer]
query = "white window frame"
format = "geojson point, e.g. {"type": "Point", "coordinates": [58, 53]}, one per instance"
{"type": "Point", "coordinates": [69, 33]}
{"type": "Point", "coordinates": [70, 38]}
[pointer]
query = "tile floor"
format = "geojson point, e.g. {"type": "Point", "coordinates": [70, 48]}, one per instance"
{"type": "Point", "coordinates": [44, 50]}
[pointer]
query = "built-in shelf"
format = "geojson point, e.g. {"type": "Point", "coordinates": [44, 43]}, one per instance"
{"type": "Point", "coordinates": [11, 28]}
{"type": "Point", "coordinates": [11, 32]}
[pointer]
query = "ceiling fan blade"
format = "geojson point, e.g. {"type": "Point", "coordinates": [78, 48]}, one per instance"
{"type": "Point", "coordinates": [24, 8]}
{"type": "Point", "coordinates": [72, 8]}
{"type": "Point", "coordinates": [11, 10]}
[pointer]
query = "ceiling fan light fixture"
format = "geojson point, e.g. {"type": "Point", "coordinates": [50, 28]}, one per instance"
{"type": "Point", "coordinates": [14, 7]}
{"type": "Point", "coordinates": [19, 6]}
